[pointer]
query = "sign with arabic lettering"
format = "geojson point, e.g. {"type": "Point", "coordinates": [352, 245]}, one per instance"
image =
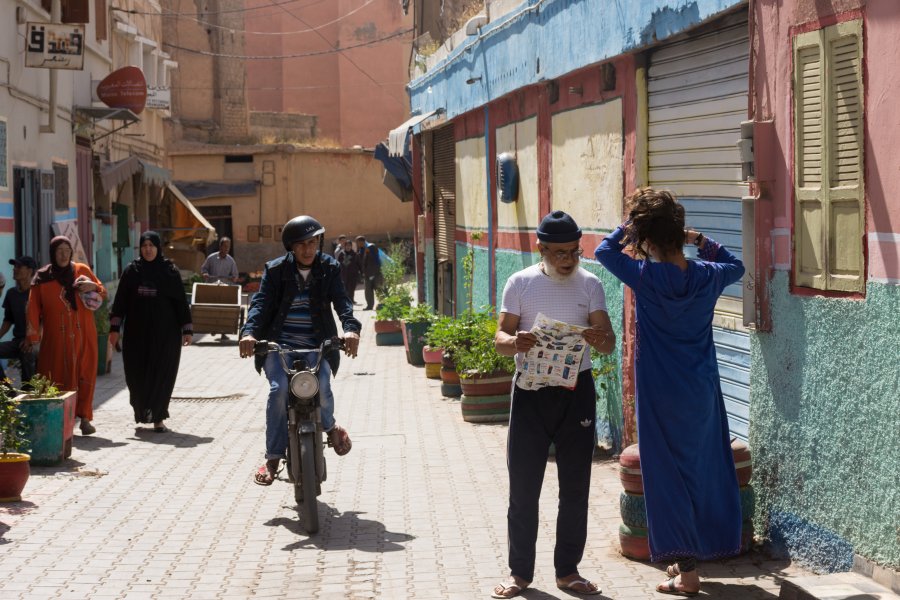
{"type": "Point", "coordinates": [124, 88]}
{"type": "Point", "coordinates": [158, 97]}
{"type": "Point", "coordinates": [54, 46]}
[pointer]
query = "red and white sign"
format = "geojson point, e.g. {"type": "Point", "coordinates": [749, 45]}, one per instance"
{"type": "Point", "coordinates": [124, 88]}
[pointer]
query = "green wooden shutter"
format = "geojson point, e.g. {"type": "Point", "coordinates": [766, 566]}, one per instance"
{"type": "Point", "coordinates": [845, 162]}
{"type": "Point", "coordinates": [828, 143]}
{"type": "Point", "coordinates": [809, 154]}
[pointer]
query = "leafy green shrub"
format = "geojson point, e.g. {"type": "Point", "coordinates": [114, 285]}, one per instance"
{"type": "Point", "coordinates": [394, 307]}
{"type": "Point", "coordinates": [101, 318]}
{"type": "Point", "coordinates": [420, 313]}
{"type": "Point", "coordinates": [469, 340]}
{"type": "Point", "coordinates": [393, 271]}
{"type": "Point", "coordinates": [478, 353]}
{"type": "Point", "coordinates": [41, 387]}
{"type": "Point", "coordinates": [12, 436]}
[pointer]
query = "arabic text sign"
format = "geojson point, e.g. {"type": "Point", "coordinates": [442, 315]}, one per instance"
{"type": "Point", "coordinates": [54, 46]}
{"type": "Point", "coordinates": [124, 88]}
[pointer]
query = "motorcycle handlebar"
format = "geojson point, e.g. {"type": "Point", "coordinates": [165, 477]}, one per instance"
{"type": "Point", "coordinates": [263, 347]}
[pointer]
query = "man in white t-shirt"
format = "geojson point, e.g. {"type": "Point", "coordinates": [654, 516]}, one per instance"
{"type": "Point", "coordinates": [559, 288]}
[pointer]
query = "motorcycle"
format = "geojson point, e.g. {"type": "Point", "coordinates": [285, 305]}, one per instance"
{"type": "Point", "coordinates": [306, 457]}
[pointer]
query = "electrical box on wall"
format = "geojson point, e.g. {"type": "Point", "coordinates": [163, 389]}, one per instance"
{"type": "Point", "coordinates": [745, 151]}
{"type": "Point", "coordinates": [507, 178]}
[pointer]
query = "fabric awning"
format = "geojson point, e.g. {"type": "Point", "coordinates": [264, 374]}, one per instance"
{"type": "Point", "coordinates": [114, 174]}
{"type": "Point", "coordinates": [186, 219]}
{"type": "Point", "coordinates": [197, 190]}
{"type": "Point", "coordinates": [397, 136]}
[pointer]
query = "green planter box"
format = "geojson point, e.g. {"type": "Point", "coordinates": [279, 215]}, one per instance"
{"type": "Point", "coordinates": [49, 423]}
{"type": "Point", "coordinates": [104, 354]}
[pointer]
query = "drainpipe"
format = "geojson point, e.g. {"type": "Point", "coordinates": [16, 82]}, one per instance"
{"type": "Point", "coordinates": [490, 211]}
{"type": "Point", "coordinates": [50, 127]}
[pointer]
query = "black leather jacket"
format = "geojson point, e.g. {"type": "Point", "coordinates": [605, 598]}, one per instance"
{"type": "Point", "coordinates": [271, 304]}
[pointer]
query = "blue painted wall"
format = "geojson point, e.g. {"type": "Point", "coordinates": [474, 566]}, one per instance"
{"type": "Point", "coordinates": [542, 40]}
{"type": "Point", "coordinates": [825, 427]}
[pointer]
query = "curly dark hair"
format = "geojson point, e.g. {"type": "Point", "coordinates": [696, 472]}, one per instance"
{"type": "Point", "coordinates": [654, 216]}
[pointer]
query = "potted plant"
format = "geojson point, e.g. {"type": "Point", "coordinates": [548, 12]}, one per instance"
{"type": "Point", "coordinates": [447, 334]}
{"type": "Point", "coordinates": [415, 324]}
{"type": "Point", "coordinates": [14, 463]}
{"type": "Point", "coordinates": [48, 415]}
{"type": "Point", "coordinates": [485, 376]}
{"type": "Point", "coordinates": [388, 328]}
{"type": "Point", "coordinates": [104, 352]}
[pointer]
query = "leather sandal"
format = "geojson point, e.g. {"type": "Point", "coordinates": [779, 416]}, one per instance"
{"type": "Point", "coordinates": [339, 439]}
{"type": "Point", "coordinates": [266, 474]}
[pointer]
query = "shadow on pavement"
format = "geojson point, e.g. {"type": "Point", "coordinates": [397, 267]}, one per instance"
{"type": "Point", "coordinates": [68, 465]}
{"type": "Point", "coordinates": [3, 529]}
{"type": "Point", "coordinates": [343, 531]}
{"type": "Point", "coordinates": [173, 438]}
{"type": "Point", "coordinates": [15, 508]}
{"type": "Point", "coordinates": [93, 442]}
{"type": "Point", "coordinates": [716, 589]}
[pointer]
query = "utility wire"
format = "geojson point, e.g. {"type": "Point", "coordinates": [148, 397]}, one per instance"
{"type": "Point", "coordinates": [323, 25]}
{"type": "Point", "coordinates": [302, 55]}
{"type": "Point", "coordinates": [218, 12]}
{"type": "Point", "coordinates": [350, 60]}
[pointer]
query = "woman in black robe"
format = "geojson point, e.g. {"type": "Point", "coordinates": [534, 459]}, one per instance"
{"type": "Point", "coordinates": [153, 307]}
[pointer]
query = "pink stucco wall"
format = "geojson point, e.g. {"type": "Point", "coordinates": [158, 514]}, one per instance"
{"type": "Point", "coordinates": [775, 26]}
{"type": "Point", "coordinates": [358, 94]}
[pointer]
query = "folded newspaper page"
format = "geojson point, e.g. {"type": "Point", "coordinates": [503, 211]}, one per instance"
{"type": "Point", "coordinates": [556, 358]}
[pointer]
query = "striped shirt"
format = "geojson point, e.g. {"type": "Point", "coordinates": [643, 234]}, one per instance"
{"type": "Point", "coordinates": [530, 291]}
{"type": "Point", "coordinates": [297, 331]}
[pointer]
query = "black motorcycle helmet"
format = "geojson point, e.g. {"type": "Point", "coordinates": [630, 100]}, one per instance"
{"type": "Point", "coordinates": [299, 229]}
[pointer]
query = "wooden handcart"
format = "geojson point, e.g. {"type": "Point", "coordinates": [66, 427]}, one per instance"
{"type": "Point", "coordinates": [217, 308]}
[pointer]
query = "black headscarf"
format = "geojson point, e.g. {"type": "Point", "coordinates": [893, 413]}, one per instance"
{"type": "Point", "coordinates": [52, 272]}
{"type": "Point", "coordinates": [159, 263]}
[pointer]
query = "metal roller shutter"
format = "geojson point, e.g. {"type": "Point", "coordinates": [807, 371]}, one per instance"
{"type": "Point", "coordinates": [697, 96]}
{"type": "Point", "coordinates": [444, 181]}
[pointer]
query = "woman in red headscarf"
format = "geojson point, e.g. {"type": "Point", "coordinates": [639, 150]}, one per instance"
{"type": "Point", "coordinates": [63, 296]}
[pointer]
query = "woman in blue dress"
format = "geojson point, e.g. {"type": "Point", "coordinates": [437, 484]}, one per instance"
{"type": "Point", "coordinates": [690, 485]}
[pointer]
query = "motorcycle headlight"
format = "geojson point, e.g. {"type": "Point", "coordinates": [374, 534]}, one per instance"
{"type": "Point", "coordinates": [304, 385]}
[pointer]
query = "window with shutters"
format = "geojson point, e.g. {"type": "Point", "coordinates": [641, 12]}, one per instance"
{"type": "Point", "coordinates": [61, 187]}
{"type": "Point", "coordinates": [100, 18]}
{"type": "Point", "coordinates": [828, 159]}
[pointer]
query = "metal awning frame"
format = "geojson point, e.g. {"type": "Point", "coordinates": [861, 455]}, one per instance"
{"type": "Point", "coordinates": [397, 136]}
{"type": "Point", "coordinates": [97, 114]}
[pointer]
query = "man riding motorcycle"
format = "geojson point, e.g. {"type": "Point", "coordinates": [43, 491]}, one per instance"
{"type": "Point", "coordinates": [293, 308]}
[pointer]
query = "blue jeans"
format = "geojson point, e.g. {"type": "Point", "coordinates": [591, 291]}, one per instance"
{"type": "Point", "coordinates": [279, 393]}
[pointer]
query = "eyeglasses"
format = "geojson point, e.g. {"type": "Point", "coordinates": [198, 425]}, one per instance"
{"type": "Point", "coordinates": [564, 254]}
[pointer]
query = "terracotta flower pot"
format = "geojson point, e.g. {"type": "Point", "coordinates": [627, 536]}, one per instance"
{"type": "Point", "coordinates": [388, 327]}
{"type": "Point", "coordinates": [14, 472]}
{"type": "Point", "coordinates": [630, 466]}
{"type": "Point", "coordinates": [486, 384]}
{"type": "Point", "coordinates": [388, 333]}
{"type": "Point", "coordinates": [432, 355]}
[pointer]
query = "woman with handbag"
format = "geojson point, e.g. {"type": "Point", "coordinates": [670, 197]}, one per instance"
{"type": "Point", "coordinates": [63, 296]}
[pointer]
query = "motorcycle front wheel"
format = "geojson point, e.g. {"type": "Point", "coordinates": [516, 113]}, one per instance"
{"type": "Point", "coordinates": [305, 489]}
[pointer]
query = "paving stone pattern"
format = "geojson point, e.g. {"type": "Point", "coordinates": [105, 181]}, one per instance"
{"type": "Point", "coordinates": [416, 510]}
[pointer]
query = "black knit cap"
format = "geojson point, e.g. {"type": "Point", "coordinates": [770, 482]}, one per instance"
{"type": "Point", "coordinates": [558, 228]}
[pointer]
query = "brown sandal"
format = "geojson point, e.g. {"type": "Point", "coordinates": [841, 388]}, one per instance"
{"type": "Point", "coordinates": [673, 570]}
{"type": "Point", "coordinates": [265, 475]}
{"type": "Point", "coordinates": [339, 439]}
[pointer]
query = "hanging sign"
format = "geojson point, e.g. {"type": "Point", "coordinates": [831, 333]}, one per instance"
{"type": "Point", "coordinates": [124, 88]}
{"type": "Point", "coordinates": [158, 97]}
{"type": "Point", "coordinates": [54, 46]}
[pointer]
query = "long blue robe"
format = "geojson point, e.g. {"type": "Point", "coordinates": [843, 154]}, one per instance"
{"type": "Point", "coordinates": [690, 485]}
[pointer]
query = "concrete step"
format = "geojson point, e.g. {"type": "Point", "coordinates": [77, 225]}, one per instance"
{"type": "Point", "coordinates": [837, 586]}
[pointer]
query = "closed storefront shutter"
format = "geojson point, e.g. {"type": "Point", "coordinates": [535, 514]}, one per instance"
{"type": "Point", "coordinates": [697, 96]}
{"type": "Point", "coordinates": [444, 181]}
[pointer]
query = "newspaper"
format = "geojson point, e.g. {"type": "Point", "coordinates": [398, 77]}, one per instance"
{"type": "Point", "coordinates": [556, 358]}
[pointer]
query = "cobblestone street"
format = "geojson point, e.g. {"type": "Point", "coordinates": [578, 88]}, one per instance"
{"type": "Point", "coordinates": [416, 510]}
